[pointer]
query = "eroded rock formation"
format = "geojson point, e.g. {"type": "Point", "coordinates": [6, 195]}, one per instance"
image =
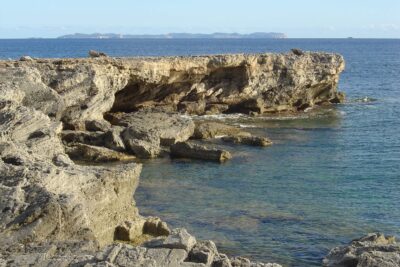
{"type": "Point", "coordinates": [52, 208]}
{"type": "Point", "coordinates": [372, 250]}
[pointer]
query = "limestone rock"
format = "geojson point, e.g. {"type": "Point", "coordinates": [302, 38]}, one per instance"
{"type": "Point", "coordinates": [112, 139]}
{"type": "Point", "coordinates": [129, 230]}
{"type": "Point", "coordinates": [203, 252]}
{"type": "Point", "coordinates": [94, 54]}
{"type": "Point", "coordinates": [83, 137]}
{"type": "Point", "coordinates": [297, 52]}
{"type": "Point", "coordinates": [208, 130]}
{"type": "Point", "coordinates": [141, 143]}
{"type": "Point", "coordinates": [248, 140]}
{"type": "Point", "coordinates": [221, 260]}
{"type": "Point", "coordinates": [97, 125]}
{"type": "Point", "coordinates": [369, 251]}
{"type": "Point", "coordinates": [169, 128]}
{"type": "Point", "coordinates": [146, 131]}
{"type": "Point", "coordinates": [188, 107]}
{"type": "Point", "coordinates": [95, 153]}
{"type": "Point", "coordinates": [80, 90]}
{"type": "Point", "coordinates": [195, 151]}
{"type": "Point", "coordinates": [26, 58]}
{"type": "Point", "coordinates": [155, 227]}
{"type": "Point", "coordinates": [213, 108]}
{"type": "Point", "coordinates": [179, 238]}
{"type": "Point", "coordinates": [44, 195]}
{"type": "Point", "coordinates": [48, 201]}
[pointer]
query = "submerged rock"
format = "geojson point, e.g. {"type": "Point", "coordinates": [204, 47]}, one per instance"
{"type": "Point", "coordinates": [208, 130]}
{"type": "Point", "coordinates": [196, 151]}
{"type": "Point", "coordinates": [372, 250]}
{"type": "Point", "coordinates": [248, 140]}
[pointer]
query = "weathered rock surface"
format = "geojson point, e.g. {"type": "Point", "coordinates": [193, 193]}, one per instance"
{"type": "Point", "coordinates": [146, 132]}
{"type": "Point", "coordinates": [208, 130]}
{"type": "Point", "coordinates": [95, 153]}
{"type": "Point", "coordinates": [44, 196]}
{"type": "Point", "coordinates": [373, 250]}
{"type": "Point", "coordinates": [80, 90]}
{"type": "Point", "coordinates": [195, 151]}
{"type": "Point", "coordinates": [250, 140]}
{"type": "Point", "coordinates": [55, 212]}
{"type": "Point", "coordinates": [85, 253]}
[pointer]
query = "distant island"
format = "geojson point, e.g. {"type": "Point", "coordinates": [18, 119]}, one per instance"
{"type": "Point", "coordinates": [217, 35]}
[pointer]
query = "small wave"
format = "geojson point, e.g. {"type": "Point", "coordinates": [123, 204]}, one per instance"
{"type": "Point", "coordinates": [365, 99]}
{"type": "Point", "coordinates": [246, 126]}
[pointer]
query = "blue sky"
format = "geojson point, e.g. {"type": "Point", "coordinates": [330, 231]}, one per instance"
{"type": "Point", "coordinates": [296, 18]}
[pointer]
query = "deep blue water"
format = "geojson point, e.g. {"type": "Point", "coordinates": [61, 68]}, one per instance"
{"type": "Point", "coordinates": [332, 175]}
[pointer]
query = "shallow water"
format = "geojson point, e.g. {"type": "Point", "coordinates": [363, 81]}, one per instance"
{"type": "Point", "coordinates": [332, 174]}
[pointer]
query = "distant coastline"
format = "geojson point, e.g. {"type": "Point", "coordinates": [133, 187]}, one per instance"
{"type": "Point", "coordinates": [217, 35]}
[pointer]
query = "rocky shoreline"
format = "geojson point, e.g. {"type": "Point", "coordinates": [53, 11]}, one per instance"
{"type": "Point", "coordinates": [60, 119]}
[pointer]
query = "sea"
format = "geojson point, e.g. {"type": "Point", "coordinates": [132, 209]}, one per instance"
{"type": "Point", "coordinates": [332, 175]}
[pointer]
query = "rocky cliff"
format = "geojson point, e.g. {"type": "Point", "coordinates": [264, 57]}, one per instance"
{"type": "Point", "coordinates": [104, 109]}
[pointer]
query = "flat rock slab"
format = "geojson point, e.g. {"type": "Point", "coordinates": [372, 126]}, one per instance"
{"type": "Point", "coordinates": [195, 151]}
{"type": "Point", "coordinates": [248, 140]}
{"type": "Point", "coordinates": [208, 130]}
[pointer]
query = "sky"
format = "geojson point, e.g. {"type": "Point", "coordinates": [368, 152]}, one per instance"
{"type": "Point", "coordinates": [296, 18]}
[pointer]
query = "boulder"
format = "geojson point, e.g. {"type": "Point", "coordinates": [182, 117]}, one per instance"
{"type": "Point", "coordinates": [221, 260]}
{"type": "Point", "coordinates": [95, 54]}
{"type": "Point", "coordinates": [26, 58]}
{"type": "Point", "coordinates": [169, 128]}
{"type": "Point", "coordinates": [97, 125]}
{"type": "Point", "coordinates": [129, 230]}
{"type": "Point", "coordinates": [146, 131]}
{"type": "Point", "coordinates": [203, 252]}
{"type": "Point", "coordinates": [372, 250]}
{"type": "Point", "coordinates": [196, 151]}
{"type": "Point", "coordinates": [297, 52]}
{"type": "Point", "coordinates": [141, 143]}
{"type": "Point", "coordinates": [179, 238]}
{"type": "Point", "coordinates": [155, 227]}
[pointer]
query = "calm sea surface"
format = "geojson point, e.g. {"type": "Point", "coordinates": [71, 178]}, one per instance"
{"type": "Point", "coordinates": [331, 176]}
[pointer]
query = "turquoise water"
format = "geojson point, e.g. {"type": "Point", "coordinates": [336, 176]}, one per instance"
{"type": "Point", "coordinates": [332, 175]}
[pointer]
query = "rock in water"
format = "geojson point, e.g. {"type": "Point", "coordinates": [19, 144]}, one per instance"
{"type": "Point", "coordinates": [297, 52]}
{"type": "Point", "coordinates": [208, 130]}
{"type": "Point", "coordinates": [94, 54]}
{"type": "Point", "coordinates": [372, 250]}
{"type": "Point", "coordinates": [195, 151]}
{"type": "Point", "coordinates": [250, 140]}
